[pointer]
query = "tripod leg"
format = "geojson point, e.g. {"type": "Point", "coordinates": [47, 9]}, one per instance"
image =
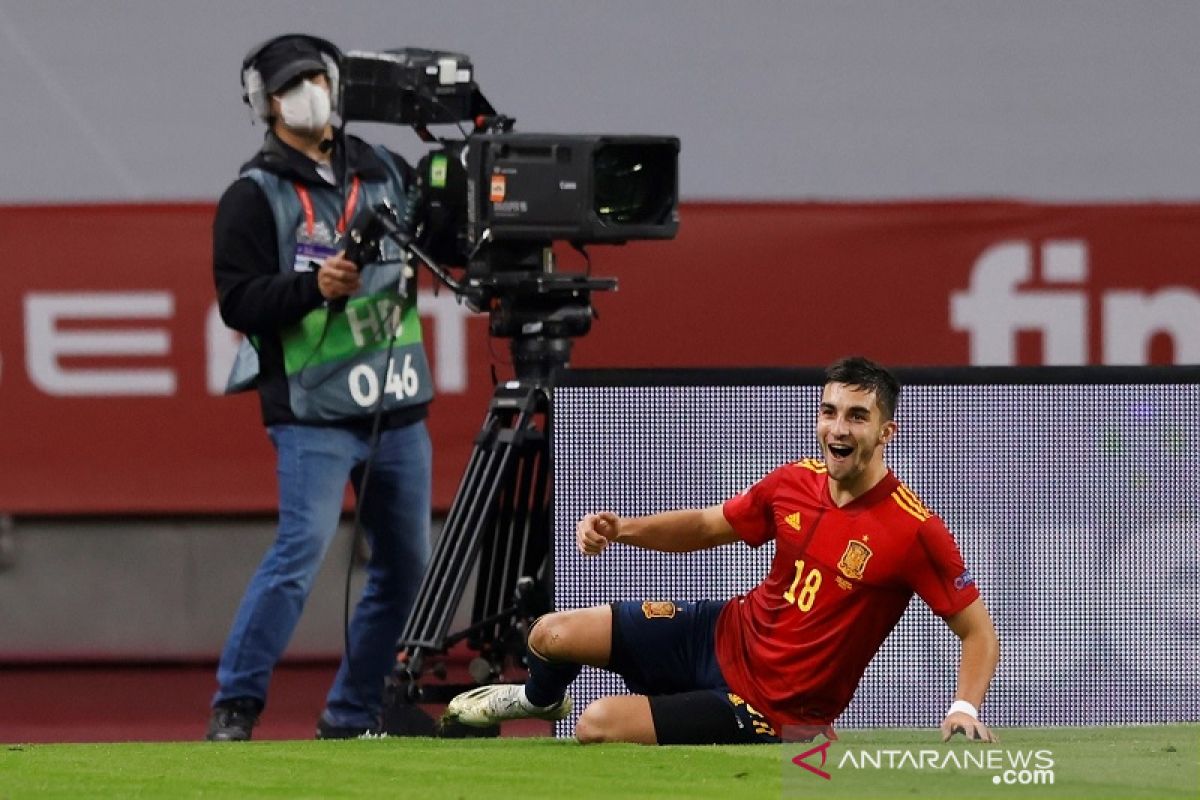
{"type": "Point", "coordinates": [497, 453]}
{"type": "Point", "coordinates": [517, 551]}
{"type": "Point", "coordinates": [453, 549]}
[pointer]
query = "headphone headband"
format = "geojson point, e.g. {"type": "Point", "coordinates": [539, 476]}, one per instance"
{"type": "Point", "coordinates": [324, 45]}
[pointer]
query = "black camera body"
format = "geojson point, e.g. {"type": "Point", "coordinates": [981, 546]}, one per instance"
{"type": "Point", "coordinates": [584, 189]}
{"type": "Point", "coordinates": [496, 201]}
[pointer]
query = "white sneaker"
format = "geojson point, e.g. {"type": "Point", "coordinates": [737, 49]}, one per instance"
{"type": "Point", "coordinates": [485, 706]}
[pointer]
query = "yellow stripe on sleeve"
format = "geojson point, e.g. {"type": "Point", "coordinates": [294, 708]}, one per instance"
{"type": "Point", "coordinates": [907, 501]}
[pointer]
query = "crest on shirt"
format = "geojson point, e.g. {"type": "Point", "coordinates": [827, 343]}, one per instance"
{"type": "Point", "coordinates": [660, 609]}
{"type": "Point", "coordinates": [854, 561]}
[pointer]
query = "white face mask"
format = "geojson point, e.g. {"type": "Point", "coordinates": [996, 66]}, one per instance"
{"type": "Point", "coordinates": [305, 107]}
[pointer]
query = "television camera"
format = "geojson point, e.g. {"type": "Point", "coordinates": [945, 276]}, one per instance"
{"type": "Point", "coordinates": [493, 203]}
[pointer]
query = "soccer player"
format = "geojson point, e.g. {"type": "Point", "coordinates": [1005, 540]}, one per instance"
{"type": "Point", "coordinates": [852, 545]}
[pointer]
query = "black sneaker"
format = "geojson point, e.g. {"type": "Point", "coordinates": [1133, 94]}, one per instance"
{"type": "Point", "coordinates": [233, 720]}
{"type": "Point", "coordinates": [327, 730]}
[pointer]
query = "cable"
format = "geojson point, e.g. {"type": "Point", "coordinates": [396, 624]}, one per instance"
{"type": "Point", "coordinates": [360, 500]}
{"type": "Point", "coordinates": [360, 494]}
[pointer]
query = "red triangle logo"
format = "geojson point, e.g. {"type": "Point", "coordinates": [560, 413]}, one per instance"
{"type": "Point", "coordinates": [800, 762]}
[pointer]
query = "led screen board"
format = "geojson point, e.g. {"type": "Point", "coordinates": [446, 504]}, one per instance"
{"type": "Point", "coordinates": [1073, 494]}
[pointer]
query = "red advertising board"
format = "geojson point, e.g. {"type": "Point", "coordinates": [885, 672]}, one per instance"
{"type": "Point", "coordinates": [112, 355]}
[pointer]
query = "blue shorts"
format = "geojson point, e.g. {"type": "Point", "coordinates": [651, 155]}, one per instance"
{"type": "Point", "coordinates": [667, 651]}
{"type": "Point", "coordinates": [667, 647]}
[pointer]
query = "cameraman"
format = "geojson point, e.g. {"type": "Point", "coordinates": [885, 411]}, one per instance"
{"type": "Point", "coordinates": [336, 351]}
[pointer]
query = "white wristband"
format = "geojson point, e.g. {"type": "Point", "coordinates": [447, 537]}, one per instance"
{"type": "Point", "coordinates": [965, 707]}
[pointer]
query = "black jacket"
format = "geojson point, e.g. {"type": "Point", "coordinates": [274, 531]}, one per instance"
{"type": "Point", "coordinates": [253, 295]}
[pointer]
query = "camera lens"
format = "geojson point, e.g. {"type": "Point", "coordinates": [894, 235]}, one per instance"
{"type": "Point", "coordinates": [634, 183]}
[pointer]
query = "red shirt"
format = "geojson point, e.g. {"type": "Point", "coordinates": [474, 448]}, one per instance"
{"type": "Point", "coordinates": [796, 645]}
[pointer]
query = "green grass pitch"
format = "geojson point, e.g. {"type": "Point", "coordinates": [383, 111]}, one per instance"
{"type": "Point", "coordinates": [1145, 761]}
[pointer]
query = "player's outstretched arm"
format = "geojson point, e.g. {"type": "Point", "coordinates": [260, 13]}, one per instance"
{"type": "Point", "coordinates": [980, 655]}
{"type": "Point", "coordinates": [670, 532]}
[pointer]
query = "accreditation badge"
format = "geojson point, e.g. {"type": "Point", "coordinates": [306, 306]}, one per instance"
{"type": "Point", "coordinates": [313, 248]}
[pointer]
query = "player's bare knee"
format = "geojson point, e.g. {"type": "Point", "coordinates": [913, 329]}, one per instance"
{"type": "Point", "coordinates": [547, 637]}
{"type": "Point", "coordinates": [609, 719]}
{"type": "Point", "coordinates": [595, 724]}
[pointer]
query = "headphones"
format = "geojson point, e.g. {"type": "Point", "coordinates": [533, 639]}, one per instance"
{"type": "Point", "coordinates": [254, 92]}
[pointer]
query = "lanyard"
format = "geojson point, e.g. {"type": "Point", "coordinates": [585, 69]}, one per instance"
{"type": "Point", "coordinates": [310, 219]}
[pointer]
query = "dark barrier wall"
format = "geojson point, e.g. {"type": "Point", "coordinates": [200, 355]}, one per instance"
{"type": "Point", "coordinates": [1072, 493]}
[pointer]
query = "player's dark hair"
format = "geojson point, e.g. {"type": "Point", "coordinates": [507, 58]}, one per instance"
{"type": "Point", "coordinates": [865, 374]}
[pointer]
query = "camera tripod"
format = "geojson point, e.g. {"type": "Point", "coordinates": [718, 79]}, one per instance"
{"type": "Point", "coordinates": [499, 520]}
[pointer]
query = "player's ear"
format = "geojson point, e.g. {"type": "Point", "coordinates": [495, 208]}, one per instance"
{"type": "Point", "coordinates": [888, 432]}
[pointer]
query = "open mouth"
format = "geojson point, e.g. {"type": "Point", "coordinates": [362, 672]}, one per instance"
{"type": "Point", "coordinates": [841, 450]}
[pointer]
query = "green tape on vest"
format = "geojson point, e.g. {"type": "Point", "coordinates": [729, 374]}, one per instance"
{"type": "Point", "coordinates": [363, 327]}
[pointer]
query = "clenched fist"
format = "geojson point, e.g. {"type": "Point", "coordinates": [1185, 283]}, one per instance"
{"type": "Point", "coordinates": [595, 531]}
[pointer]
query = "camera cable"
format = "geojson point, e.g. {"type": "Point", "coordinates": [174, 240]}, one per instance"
{"type": "Point", "coordinates": [391, 323]}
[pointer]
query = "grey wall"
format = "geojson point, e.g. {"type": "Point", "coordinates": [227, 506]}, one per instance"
{"type": "Point", "coordinates": [831, 99]}
{"type": "Point", "coordinates": [153, 589]}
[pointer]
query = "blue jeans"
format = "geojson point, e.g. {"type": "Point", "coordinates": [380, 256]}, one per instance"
{"type": "Point", "coordinates": [313, 465]}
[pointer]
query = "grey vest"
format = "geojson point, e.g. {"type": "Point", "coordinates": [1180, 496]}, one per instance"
{"type": "Point", "coordinates": [342, 364]}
